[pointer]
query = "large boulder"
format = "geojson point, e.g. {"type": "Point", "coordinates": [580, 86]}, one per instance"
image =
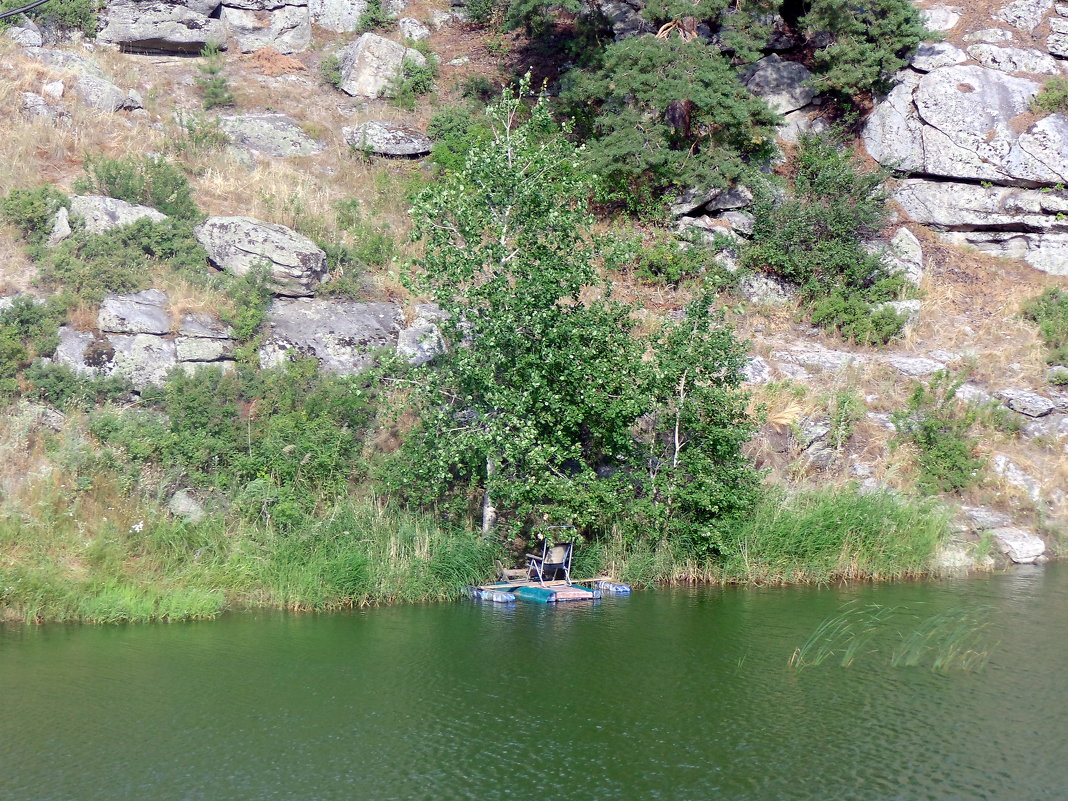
{"type": "Point", "coordinates": [342, 16]}
{"type": "Point", "coordinates": [372, 64]}
{"type": "Point", "coordinates": [1014, 59]}
{"type": "Point", "coordinates": [98, 213]}
{"type": "Point", "coordinates": [103, 95]}
{"type": "Point", "coordinates": [284, 25]}
{"type": "Point", "coordinates": [386, 139]}
{"type": "Point", "coordinates": [783, 84]}
{"type": "Point", "coordinates": [179, 26]}
{"type": "Point", "coordinates": [1020, 546]}
{"type": "Point", "coordinates": [342, 335]}
{"type": "Point", "coordinates": [237, 244]}
{"type": "Point", "coordinates": [270, 134]}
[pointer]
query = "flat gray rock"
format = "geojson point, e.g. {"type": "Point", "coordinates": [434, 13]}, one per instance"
{"type": "Point", "coordinates": [142, 359]}
{"type": "Point", "coordinates": [270, 134]}
{"type": "Point", "coordinates": [1026, 15]}
{"type": "Point", "coordinates": [98, 213]}
{"type": "Point", "coordinates": [1022, 547]}
{"type": "Point", "coordinates": [767, 290]}
{"type": "Point", "coordinates": [1026, 403]}
{"type": "Point", "coordinates": [914, 366]}
{"type": "Point", "coordinates": [195, 324]}
{"type": "Point", "coordinates": [932, 55]}
{"type": "Point", "coordinates": [1015, 475]}
{"type": "Point", "coordinates": [138, 313]}
{"type": "Point", "coordinates": [237, 244]}
{"type": "Point", "coordinates": [386, 139]}
{"type": "Point", "coordinates": [413, 29]}
{"type": "Point", "coordinates": [941, 18]}
{"type": "Point", "coordinates": [100, 94]}
{"type": "Point", "coordinates": [203, 349]}
{"type": "Point", "coordinates": [1015, 59]}
{"type": "Point", "coordinates": [25, 37]}
{"type": "Point", "coordinates": [982, 519]}
{"type": "Point", "coordinates": [341, 335]}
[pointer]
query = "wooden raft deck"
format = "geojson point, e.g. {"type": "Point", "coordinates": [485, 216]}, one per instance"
{"type": "Point", "coordinates": [546, 592]}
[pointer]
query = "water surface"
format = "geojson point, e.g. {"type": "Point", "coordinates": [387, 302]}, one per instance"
{"type": "Point", "coordinates": [670, 694]}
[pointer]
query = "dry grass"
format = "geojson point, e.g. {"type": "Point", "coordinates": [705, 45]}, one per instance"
{"type": "Point", "coordinates": [268, 61]}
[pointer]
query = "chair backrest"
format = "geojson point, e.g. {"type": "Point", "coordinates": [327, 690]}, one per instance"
{"type": "Point", "coordinates": [559, 555]}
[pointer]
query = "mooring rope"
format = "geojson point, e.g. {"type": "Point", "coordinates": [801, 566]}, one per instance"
{"type": "Point", "coordinates": [30, 7]}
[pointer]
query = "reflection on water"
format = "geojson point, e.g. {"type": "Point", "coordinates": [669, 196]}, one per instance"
{"type": "Point", "coordinates": [682, 694]}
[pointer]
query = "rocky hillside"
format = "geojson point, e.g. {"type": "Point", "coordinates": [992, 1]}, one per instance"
{"type": "Point", "coordinates": [328, 133]}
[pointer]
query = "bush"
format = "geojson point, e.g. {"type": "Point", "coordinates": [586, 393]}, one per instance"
{"type": "Point", "coordinates": [212, 82]}
{"type": "Point", "coordinates": [330, 71]}
{"type": "Point", "coordinates": [455, 131]}
{"type": "Point", "coordinates": [32, 210]}
{"type": "Point", "coordinates": [415, 79]}
{"type": "Point", "coordinates": [939, 426]}
{"type": "Point", "coordinates": [27, 330]}
{"type": "Point", "coordinates": [61, 387]}
{"type": "Point", "coordinates": [1052, 98]}
{"type": "Point", "coordinates": [87, 266]}
{"type": "Point", "coordinates": [815, 237]}
{"type": "Point", "coordinates": [1050, 311]}
{"type": "Point", "coordinates": [484, 12]}
{"type": "Point", "coordinates": [197, 133]}
{"type": "Point", "coordinates": [78, 15]}
{"type": "Point", "coordinates": [374, 18]}
{"type": "Point", "coordinates": [153, 181]}
{"type": "Point", "coordinates": [663, 115]}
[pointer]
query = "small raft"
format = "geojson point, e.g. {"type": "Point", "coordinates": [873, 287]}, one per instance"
{"type": "Point", "coordinates": [549, 592]}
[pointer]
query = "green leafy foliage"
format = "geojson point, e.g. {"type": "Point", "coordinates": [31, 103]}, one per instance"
{"type": "Point", "coordinates": [1052, 98]}
{"type": "Point", "coordinates": [535, 404]}
{"type": "Point", "coordinates": [27, 330]}
{"type": "Point", "coordinates": [660, 115]}
{"type": "Point", "coordinates": [1050, 311]}
{"type": "Point", "coordinates": [153, 181]}
{"type": "Point", "coordinates": [743, 28]}
{"type": "Point", "coordinates": [280, 442]}
{"type": "Point", "coordinates": [32, 211]}
{"type": "Point", "coordinates": [213, 84]}
{"type": "Point", "coordinates": [832, 535]}
{"type": "Point", "coordinates": [870, 41]}
{"type": "Point", "coordinates": [939, 426]}
{"type": "Point", "coordinates": [455, 130]}
{"type": "Point", "coordinates": [375, 18]}
{"type": "Point", "coordinates": [88, 266]}
{"type": "Point", "coordinates": [60, 386]}
{"type": "Point", "coordinates": [814, 237]}
{"type": "Point", "coordinates": [330, 70]}
{"type": "Point", "coordinates": [74, 15]}
{"type": "Point", "coordinates": [415, 79]}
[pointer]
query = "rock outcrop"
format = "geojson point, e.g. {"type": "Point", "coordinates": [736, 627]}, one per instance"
{"type": "Point", "coordinates": [98, 213]}
{"type": "Point", "coordinates": [284, 25]}
{"type": "Point", "coordinates": [237, 244]}
{"type": "Point", "coordinates": [342, 16]}
{"type": "Point", "coordinates": [137, 340]}
{"type": "Point", "coordinates": [179, 26]}
{"type": "Point", "coordinates": [342, 335]}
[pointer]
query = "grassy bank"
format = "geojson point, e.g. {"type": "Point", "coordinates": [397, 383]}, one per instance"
{"type": "Point", "coordinates": [73, 554]}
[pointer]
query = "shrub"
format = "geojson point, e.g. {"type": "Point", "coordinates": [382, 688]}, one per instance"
{"type": "Point", "coordinates": [478, 88]}
{"type": "Point", "coordinates": [153, 181]}
{"type": "Point", "coordinates": [483, 12]}
{"type": "Point", "coordinates": [661, 115]}
{"type": "Point", "coordinates": [455, 131]}
{"type": "Point", "coordinates": [1052, 98]}
{"type": "Point", "coordinates": [212, 82]}
{"type": "Point", "coordinates": [87, 266]}
{"type": "Point", "coordinates": [1050, 311]}
{"type": "Point", "coordinates": [61, 387]}
{"type": "Point", "coordinates": [32, 210]}
{"type": "Point", "coordinates": [330, 70]}
{"type": "Point", "coordinates": [27, 330]}
{"type": "Point", "coordinates": [939, 426]}
{"type": "Point", "coordinates": [197, 133]}
{"type": "Point", "coordinates": [374, 18]}
{"type": "Point", "coordinates": [669, 261]}
{"type": "Point", "coordinates": [414, 80]}
{"type": "Point", "coordinates": [814, 237]}
{"type": "Point", "coordinates": [80, 15]}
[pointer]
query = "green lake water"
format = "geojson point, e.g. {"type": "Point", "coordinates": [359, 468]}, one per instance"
{"type": "Point", "coordinates": [667, 694]}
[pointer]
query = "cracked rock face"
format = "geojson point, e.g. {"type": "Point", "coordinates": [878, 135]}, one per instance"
{"type": "Point", "coordinates": [342, 335]}
{"type": "Point", "coordinates": [179, 26]}
{"type": "Point", "coordinates": [284, 25]}
{"type": "Point", "coordinates": [370, 65]}
{"type": "Point", "coordinates": [237, 244]}
{"type": "Point", "coordinates": [386, 139]}
{"type": "Point", "coordinates": [270, 134]}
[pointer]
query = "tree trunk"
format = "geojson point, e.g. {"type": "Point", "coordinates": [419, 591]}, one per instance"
{"type": "Point", "coordinates": [489, 511]}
